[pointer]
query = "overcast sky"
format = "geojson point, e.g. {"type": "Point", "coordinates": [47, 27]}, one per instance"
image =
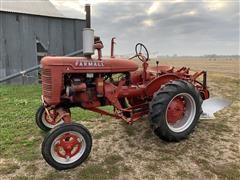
{"type": "Point", "coordinates": [165, 27]}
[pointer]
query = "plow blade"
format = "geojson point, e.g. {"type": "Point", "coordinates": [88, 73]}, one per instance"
{"type": "Point", "coordinates": [212, 105]}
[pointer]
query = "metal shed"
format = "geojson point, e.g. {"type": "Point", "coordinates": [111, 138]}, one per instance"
{"type": "Point", "coordinates": [23, 24]}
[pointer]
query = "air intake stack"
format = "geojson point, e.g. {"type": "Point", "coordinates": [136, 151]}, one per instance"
{"type": "Point", "coordinates": [88, 34]}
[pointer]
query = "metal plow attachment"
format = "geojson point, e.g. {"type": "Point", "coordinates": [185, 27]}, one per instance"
{"type": "Point", "coordinates": [212, 105]}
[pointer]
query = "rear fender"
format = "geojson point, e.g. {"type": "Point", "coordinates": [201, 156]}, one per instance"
{"type": "Point", "coordinates": [156, 83]}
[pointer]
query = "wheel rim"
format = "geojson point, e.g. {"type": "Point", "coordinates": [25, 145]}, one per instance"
{"type": "Point", "coordinates": [46, 120]}
{"type": "Point", "coordinates": [68, 147]}
{"type": "Point", "coordinates": [181, 112]}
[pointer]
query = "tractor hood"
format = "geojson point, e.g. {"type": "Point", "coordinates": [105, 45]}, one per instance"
{"type": "Point", "coordinates": [86, 65]}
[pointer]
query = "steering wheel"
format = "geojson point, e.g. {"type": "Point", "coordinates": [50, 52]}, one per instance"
{"type": "Point", "coordinates": [142, 56]}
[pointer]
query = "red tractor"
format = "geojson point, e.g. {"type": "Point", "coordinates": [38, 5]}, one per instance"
{"type": "Point", "coordinates": [171, 98]}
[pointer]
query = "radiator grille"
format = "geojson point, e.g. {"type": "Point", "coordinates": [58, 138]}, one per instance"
{"type": "Point", "coordinates": [47, 83]}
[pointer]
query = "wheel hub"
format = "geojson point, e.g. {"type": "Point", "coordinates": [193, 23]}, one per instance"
{"type": "Point", "coordinates": [67, 146]}
{"type": "Point", "coordinates": [176, 110]}
{"type": "Point", "coordinates": [51, 119]}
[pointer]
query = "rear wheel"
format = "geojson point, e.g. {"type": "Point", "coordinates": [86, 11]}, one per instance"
{"type": "Point", "coordinates": [175, 110]}
{"type": "Point", "coordinates": [67, 146]}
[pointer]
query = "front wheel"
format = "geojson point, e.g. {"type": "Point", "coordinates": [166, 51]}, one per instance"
{"type": "Point", "coordinates": [175, 110]}
{"type": "Point", "coordinates": [67, 146]}
{"type": "Point", "coordinates": [44, 121]}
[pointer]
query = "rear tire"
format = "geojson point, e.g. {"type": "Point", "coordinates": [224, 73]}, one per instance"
{"type": "Point", "coordinates": [67, 146]}
{"type": "Point", "coordinates": [175, 110]}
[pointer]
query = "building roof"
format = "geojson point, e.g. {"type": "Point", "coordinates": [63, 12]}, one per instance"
{"type": "Point", "coordinates": [33, 7]}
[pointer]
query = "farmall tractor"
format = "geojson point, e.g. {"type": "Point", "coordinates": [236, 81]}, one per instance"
{"type": "Point", "coordinates": [171, 98]}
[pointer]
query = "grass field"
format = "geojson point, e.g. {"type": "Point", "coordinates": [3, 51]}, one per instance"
{"type": "Point", "coordinates": [122, 151]}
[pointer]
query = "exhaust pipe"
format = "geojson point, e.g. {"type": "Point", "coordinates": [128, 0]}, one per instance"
{"type": "Point", "coordinates": [88, 15]}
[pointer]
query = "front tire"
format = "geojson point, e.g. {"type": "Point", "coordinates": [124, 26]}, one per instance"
{"type": "Point", "coordinates": [67, 146]}
{"type": "Point", "coordinates": [175, 110]}
{"type": "Point", "coordinates": [43, 121]}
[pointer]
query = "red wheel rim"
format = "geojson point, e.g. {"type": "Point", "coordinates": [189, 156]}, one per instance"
{"type": "Point", "coordinates": [68, 147]}
{"type": "Point", "coordinates": [180, 112]}
{"type": "Point", "coordinates": [53, 115]}
{"type": "Point", "coordinates": [176, 109]}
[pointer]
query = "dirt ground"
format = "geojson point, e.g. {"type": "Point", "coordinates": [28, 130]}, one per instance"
{"type": "Point", "coordinates": [122, 151]}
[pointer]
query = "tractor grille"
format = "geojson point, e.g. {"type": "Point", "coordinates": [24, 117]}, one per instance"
{"type": "Point", "coordinates": [47, 83]}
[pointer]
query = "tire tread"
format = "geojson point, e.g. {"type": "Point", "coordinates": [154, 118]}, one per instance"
{"type": "Point", "coordinates": [158, 105]}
